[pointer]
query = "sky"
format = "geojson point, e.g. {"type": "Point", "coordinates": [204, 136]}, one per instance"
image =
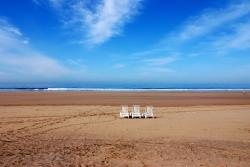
{"type": "Point", "coordinates": [124, 41]}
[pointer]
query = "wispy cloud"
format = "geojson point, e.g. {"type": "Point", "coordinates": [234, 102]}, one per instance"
{"type": "Point", "coordinates": [158, 65]}
{"type": "Point", "coordinates": [119, 66]}
{"type": "Point", "coordinates": [238, 39]}
{"type": "Point", "coordinates": [96, 21]}
{"type": "Point", "coordinates": [57, 4]}
{"type": "Point", "coordinates": [18, 61]}
{"type": "Point", "coordinates": [212, 32]}
{"type": "Point", "coordinates": [209, 21]}
{"type": "Point", "coordinates": [107, 19]}
{"type": "Point", "coordinates": [160, 61]}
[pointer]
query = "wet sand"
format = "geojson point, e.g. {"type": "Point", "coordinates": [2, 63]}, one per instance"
{"type": "Point", "coordinates": [81, 129]}
{"type": "Point", "coordinates": [117, 98]}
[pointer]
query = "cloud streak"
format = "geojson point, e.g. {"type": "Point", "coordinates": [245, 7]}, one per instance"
{"type": "Point", "coordinates": [97, 21]}
{"type": "Point", "coordinates": [213, 32]}
{"type": "Point", "coordinates": [210, 21]}
{"type": "Point", "coordinates": [18, 61]}
{"type": "Point", "coordinates": [119, 66]}
{"type": "Point", "coordinates": [107, 20]}
{"type": "Point", "coordinates": [160, 61]}
{"type": "Point", "coordinates": [239, 39]}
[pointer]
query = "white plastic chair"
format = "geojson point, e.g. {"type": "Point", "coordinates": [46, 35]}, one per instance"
{"type": "Point", "coordinates": [136, 112]}
{"type": "Point", "coordinates": [124, 112]}
{"type": "Point", "coordinates": [149, 112]}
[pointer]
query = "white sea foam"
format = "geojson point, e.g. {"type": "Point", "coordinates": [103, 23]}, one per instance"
{"type": "Point", "coordinates": [144, 90]}
{"type": "Point", "coordinates": [123, 90]}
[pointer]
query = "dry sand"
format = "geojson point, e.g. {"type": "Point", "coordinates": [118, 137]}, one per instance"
{"type": "Point", "coordinates": [72, 129]}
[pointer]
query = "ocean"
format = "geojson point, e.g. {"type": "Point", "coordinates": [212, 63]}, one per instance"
{"type": "Point", "coordinates": [124, 87]}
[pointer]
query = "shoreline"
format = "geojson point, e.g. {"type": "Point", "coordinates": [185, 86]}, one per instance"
{"type": "Point", "coordinates": [124, 90]}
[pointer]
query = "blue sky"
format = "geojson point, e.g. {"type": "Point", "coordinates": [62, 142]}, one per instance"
{"type": "Point", "coordinates": [127, 41]}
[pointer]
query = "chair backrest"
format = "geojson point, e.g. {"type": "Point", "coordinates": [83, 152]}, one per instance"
{"type": "Point", "coordinates": [136, 109]}
{"type": "Point", "coordinates": [149, 109]}
{"type": "Point", "coordinates": [124, 108]}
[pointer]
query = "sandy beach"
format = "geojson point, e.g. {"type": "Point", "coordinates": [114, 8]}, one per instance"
{"type": "Point", "coordinates": [84, 129]}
